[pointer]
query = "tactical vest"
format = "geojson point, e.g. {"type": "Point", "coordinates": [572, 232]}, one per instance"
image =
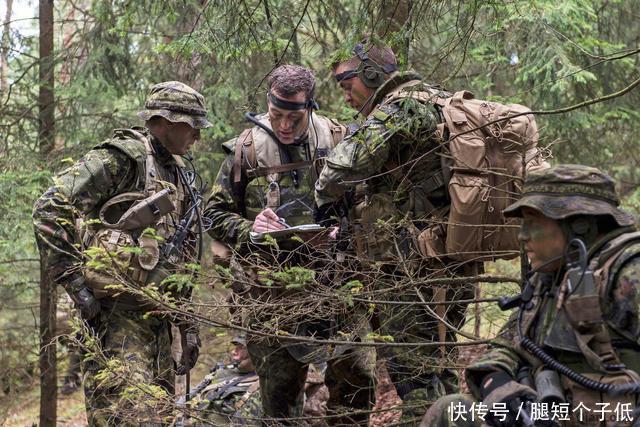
{"type": "Point", "coordinates": [574, 324]}
{"type": "Point", "coordinates": [270, 183]}
{"type": "Point", "coordinates": [123, 240]}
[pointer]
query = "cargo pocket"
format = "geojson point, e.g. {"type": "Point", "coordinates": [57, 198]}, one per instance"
{"type": "Point", "coordinates": [469, 196]}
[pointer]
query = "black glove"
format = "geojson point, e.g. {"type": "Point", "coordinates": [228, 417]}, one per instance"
{"type": "Point", "coordinates": [328, 214]}
{"type": "Point", "coordinates": [190, 350]}
{"type": "Point", "coordinates": [500, 388]}
{"type": "Point", "coordinates": [85, 301]}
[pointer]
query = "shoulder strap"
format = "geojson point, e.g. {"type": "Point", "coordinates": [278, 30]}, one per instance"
{"type": "Point", "coordinates": [617, 245]}
{"type": "Point", "coordinates": [338, 132]}
{"type": "Point", "coordinates": [151, 171]}
{"type": "Point", "coordinates": [245, 138]}
{"type": "Point", "coordinates": [132, 143]}
{"type": "Point", "coordinates": [252, 389]}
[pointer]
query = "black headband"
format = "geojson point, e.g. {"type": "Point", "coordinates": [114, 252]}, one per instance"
{"type": "Point", "coordinates": [346, 75]}
{"type": "Point", "coordinates": [288, 105]}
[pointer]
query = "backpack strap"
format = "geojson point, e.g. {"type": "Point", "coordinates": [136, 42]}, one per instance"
{"type": "Point", "coordinates": [245, 139]}
{"type": "Point", "coordinates": [431, 95]}
{"type": "Point", "coordinates": [252, 389]}
{"type": "Point", "coordinates": [338, 132]}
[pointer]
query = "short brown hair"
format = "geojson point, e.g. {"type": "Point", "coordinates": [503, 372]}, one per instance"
{"type": "Point", "coordinates": [288, 80]}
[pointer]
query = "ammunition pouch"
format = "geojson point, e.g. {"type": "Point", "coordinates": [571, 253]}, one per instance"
{"type": "Point", "coordinates": [121, 251]}
{"type": "Point", "coordinates": [142, 213]}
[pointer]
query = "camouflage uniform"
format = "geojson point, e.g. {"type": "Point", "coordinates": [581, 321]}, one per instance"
{"type": "Point", "coordinates": [132, 347]}
{"type": "Point", "coordinates": [595, 332]}
{"type": "Point", "coordinates": [232, 208]}
{"type": "Point", "coordinates": [68, 336]}
{"type": "Point", "coordinates": [396, 200]}
{"type": "Point", "coordinates": [232, 398]}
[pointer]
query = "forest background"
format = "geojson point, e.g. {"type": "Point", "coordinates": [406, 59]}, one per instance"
{"type": "Point", "coordinates": [546, 54]}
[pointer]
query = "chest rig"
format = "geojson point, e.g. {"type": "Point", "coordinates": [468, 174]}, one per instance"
{"type": "Point", "coordinates": [270, 183]}
{"type": "Point", "coordinates": [123, 240]}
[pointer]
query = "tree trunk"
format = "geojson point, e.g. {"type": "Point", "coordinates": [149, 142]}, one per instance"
{"type": "Point", "coordinates": [5, 46]}
{"type": "Point", "coordinates": [48, 368]}
{"type": "Point", "coordinates": [46, 79]}
{"type": "Point", "coordinates": [395, 17]}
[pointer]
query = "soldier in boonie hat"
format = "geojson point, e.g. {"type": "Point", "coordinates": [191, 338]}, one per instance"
{"type": "Point", "coordinates": [176, 102]}
{"type": "Point", "coordinates": [566, 190]}
{"type": "Point", "coordinates": [578, 309]}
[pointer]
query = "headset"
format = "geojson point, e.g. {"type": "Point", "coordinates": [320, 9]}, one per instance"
{"type": "Point", "coordinates": [369, 71]}
{"type": "Point", "coordinates": [371, 74]}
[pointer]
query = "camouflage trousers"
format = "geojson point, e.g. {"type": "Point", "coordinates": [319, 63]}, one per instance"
{"type": "Point", "coordinates": [421, 374]}
{"type": "Point", "coordinates": [129, 373]}
{"type": "Point", "coordinates": [350, 378]}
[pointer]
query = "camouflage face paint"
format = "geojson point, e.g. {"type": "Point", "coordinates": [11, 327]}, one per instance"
{"type": "Point", "coordinates": [288, 124]}
{"type": "Point", "coordinates": [543, 240]}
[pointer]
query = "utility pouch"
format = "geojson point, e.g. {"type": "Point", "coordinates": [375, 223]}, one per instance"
{"type": "Point", "coordinates": [431, 241]}
{"type": "Point", "coordinates": [376, 228]}
{"type": "Point", "coordinates": [142, 212]}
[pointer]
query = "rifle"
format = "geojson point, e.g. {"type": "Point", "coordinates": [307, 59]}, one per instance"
{"type": "Point", "coordinates": [206, 381]}
{"type": "Point", "coordinates": [173, 245]}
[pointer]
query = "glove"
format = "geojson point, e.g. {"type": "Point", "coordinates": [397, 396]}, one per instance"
{"type": "Point", "coordinates": [190, 350]}
{"type": "Point", "coordinates": [328, 214]}
{"type": "Point", "coordinates": [511, 394]}
{"type": "Point", "coordinates": [85, 301]}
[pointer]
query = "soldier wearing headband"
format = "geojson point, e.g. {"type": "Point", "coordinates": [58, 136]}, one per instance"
{"type": "Point", "coordinates": [265, 185]}
{"type": "Point", "coordinates": [395, 200]}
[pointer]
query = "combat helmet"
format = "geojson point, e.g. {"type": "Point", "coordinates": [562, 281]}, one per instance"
{"type": "Point", "coordinates": [566, 190]}
{"type": "Point", "coordinates": [176, 102]}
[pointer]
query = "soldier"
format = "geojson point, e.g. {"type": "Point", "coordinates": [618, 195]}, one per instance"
{"type": "Point", "coordinates": [577, 324]}
{"type": "Point", "coordinates": [129, 191]}
{"type": "Point", "coordinates": [266, 184]}
{"type": "Point", "coordinates": [395, 199]}
{"type": "Point", "coordinates": [232, 394]}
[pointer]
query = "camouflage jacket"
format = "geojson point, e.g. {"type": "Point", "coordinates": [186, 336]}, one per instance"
{"type": "Point", "coordinates": [551, 329]}
{"type": "Point", "coordinates": [233, 206]}
{"type": "Point", "coordinates": [232, 398]}
{"type": "Point", "coordinates": [79, 192]}
{"type": "Point", "coordinates": [380, 151]}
